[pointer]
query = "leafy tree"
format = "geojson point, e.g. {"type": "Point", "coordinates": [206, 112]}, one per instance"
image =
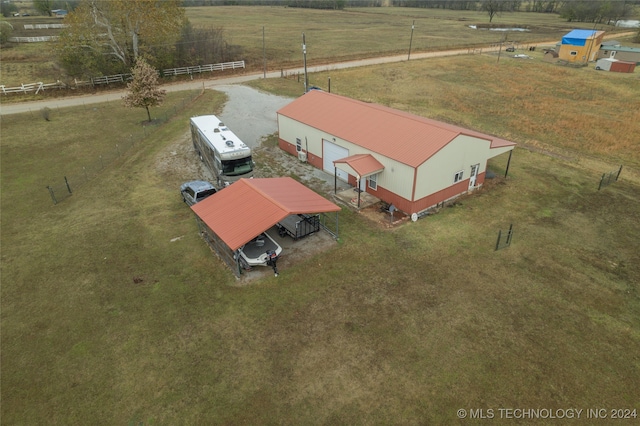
{"type": "Point", "coordinates": [43, 6]}
{"type": "Point", "coordinates": [8, 9]}
{"type": "Point", "coordinates": [121, 30]}
{"type": "Point", "coordinates": [5, 31]}
{"type": "Point", "coordinates": [143, 89]}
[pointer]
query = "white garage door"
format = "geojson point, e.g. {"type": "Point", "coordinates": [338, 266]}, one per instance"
{"type": "Point", "coordinates": [332, 152]}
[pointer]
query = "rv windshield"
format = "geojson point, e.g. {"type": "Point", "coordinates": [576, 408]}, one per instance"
{"type": "Point", "coordinates": [237, 167]}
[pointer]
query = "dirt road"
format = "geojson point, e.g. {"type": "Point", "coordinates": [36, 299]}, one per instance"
{"type": "Point", "coordinates": [215, 83]}
{"type": "Point", "coordinates": [6, 109]}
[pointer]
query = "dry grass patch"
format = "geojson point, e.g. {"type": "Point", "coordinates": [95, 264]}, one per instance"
{"type": "Point", "coordinates": [107, 317]}
{"type": "Point", "coordinates": [534, 103]}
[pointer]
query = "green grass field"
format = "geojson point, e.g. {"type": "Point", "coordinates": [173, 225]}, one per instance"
{"type": "Point", "coordinates": [114, 311]}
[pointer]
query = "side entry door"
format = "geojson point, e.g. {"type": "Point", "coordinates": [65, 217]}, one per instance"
{"type": "Point", "coordinates": [474, 175]}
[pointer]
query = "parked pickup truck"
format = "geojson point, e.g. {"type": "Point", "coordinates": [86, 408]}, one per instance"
{"type": "Point", "coordinates": [299, 225]}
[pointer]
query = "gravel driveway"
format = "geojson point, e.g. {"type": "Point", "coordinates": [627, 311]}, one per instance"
{"type": "Point", "coordinates": [250, 113]}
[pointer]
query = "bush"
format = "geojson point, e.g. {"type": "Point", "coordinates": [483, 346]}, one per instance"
{"type": "Point", "coordinates": [6, 29]}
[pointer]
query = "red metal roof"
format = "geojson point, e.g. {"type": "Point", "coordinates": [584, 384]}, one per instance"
{"type": "Point", "coordinates": [363, 164]}
{"type": "Point", "coordinates": [248, 207]}
{"type": "Point", "coordinates": [399, 135]}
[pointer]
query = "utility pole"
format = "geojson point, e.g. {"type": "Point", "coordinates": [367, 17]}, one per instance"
{"type": "Point", "coordinates": [264, 55]}
{"type": "Point", "coordinates": [304, 54]}
{"type": "Point", "coordinates": [413, 25]}
{"type": "Point", "coordinates": [501, 43]}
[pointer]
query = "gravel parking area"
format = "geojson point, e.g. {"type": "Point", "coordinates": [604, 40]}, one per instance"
{"type": "Point", "coordinates": [250, 113]}
{"type": "Point", "coordinates": [247, 105]}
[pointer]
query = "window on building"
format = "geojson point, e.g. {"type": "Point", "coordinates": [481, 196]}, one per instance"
{"type": "Point", "coordinates": [298, 145]}
{"type": "Point", "coordinates": [573, 53]}
{"type": "Point", "coordinates": [458, 176]}
{"type": "Point", "coordinates": [373, 182]}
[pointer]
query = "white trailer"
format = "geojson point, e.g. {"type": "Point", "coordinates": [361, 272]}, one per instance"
{"type": "Point", "coordinates": [226, 156]}
{"type": "Point", "coordinates": [605, 63]}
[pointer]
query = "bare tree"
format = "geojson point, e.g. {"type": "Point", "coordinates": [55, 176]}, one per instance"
{"type": "Point", "coordinates": [121, 29]}
{"type": "Point", "coordinates": [493, 7]}
{"type": "Point", "coordinates": [144, 91]}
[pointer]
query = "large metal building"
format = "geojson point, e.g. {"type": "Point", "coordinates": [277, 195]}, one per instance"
{"type": "Point", "coordinates": [409, 161]}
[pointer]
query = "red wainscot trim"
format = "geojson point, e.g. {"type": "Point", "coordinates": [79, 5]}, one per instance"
{"type": "Point", "coordinates": [290, 148]}
{"type": "Point", "coordinates": [440, 196]}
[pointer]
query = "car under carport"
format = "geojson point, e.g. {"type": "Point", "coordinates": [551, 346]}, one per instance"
{"type": "Point", "coordinates": [230, 218]}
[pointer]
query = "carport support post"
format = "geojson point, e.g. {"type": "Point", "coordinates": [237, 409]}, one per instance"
{"type": "Point", "coordinates": [506, 172]}
{"type": "Point", "coordinates": [335, 179]}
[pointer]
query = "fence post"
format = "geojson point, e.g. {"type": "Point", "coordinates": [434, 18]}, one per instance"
{"type": "Point", "coordinates": [510, 234]}
{"type": "Point", "coordinates": [84, 169]}
{"type": "Point", "coordinates": [101, 163]}
{"type": "Point", "coordinates": [601, 179]}
{"type": "Point", "coordinates": [53, 196]}
{"type": "Point", "coordinates": [619, 171]}
{"type": "Point", "coordinates": [498, 242]}
{"type": "Point", "coordinates": [67, 183]}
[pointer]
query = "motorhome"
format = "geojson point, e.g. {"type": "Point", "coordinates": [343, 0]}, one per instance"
{"type": "Point", "coordinates": [226, 156]}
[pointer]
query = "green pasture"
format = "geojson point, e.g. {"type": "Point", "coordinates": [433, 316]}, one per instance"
{"type": "Point", "coordinates": [114, 311]}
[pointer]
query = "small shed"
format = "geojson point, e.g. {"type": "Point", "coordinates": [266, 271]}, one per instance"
{"type": "Point", "coordinates": [623, 66]}
{"type": "Point", "coordinates": [614, 65]}
{"type": "Point", "coordinates": [240, 212]}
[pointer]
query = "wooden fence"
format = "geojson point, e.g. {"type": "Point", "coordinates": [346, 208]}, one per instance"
{"type": "Point", "coordinates": [32, 87]}
{"type": "Point", "coordinates": [120, 78]}
{"type": "Point", "coordinates": [107, 79]}
{"type": "Point", "coordinates": [202, 68]}
{"type": "Point", "coordinates": [44, 26]}
{"type": "Point", "coordinates": [32, 39]}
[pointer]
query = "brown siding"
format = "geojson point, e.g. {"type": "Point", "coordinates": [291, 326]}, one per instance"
{"type": "Point", "coordinates": [622, 67]}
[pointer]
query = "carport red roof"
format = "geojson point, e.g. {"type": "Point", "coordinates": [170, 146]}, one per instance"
{"type": "Point", "coordinates": [405, 137]}
{"type": "Point", "coordinates": [248, 207]}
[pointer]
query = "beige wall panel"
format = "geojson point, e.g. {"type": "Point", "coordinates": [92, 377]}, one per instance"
{"type": "Point", "coordinates": [396, 177]}
{"type": "Point", "coordinates": [438, 172]}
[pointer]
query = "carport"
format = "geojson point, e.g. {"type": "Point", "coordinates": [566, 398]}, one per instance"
{"type": "Point", "coordinates": [238, 213]}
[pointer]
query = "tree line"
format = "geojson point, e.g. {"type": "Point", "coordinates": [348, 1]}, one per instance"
{"type": "Point", "coordinates": [107, 37]}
